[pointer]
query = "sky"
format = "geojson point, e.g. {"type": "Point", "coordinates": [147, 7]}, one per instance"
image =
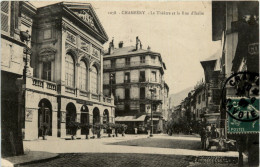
{"type": "Point", "coordinates": [182, 40]}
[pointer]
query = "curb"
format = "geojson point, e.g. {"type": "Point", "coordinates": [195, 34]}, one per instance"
{"type": "Point", "coordinates": [36, 161]}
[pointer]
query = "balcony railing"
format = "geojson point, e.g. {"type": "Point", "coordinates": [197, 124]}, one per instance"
{"type": "Point", "coordinates": [51, 87]}
{"type": "Point", "coordinates": [41, 85]}
{"type": "Point", "coordinates": [132, 64]}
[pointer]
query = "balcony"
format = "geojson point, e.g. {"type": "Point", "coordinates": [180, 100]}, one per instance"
{"type": "Point", "coordinates": [41, 85]}
{"type": "Point", "coordinates": [44, 86]}
{"type": "Point", "coordinates": [132, 64]}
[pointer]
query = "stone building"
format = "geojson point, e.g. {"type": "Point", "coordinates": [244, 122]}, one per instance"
{"type": "Point", "coordinates": [135, 76]}
{"type": "Point", "coordinates": [16, 18]}
{"type": "Point", "coordinates": [236, 25]}
{"type": "Point", "coordinates": [64, 73]}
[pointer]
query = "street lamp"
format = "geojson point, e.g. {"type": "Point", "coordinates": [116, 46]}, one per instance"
{"type": "Point", "coordinates": [111, 78]}
{"type": "Point", "coordinates": [25, 37]}
{"type": "Point", "coordinates": [152, 91]}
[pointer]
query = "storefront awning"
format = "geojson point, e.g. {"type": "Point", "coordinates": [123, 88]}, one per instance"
{"type": "Point", "coordinates": [213, 120]}
{"type": "Point", "coordinates": [154, 119]}
{"type": "Point", "coordinates": [130, 119]}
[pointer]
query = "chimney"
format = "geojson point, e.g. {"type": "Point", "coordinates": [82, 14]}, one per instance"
{"type": "Point", "coordinates": [137, 43]}
{"type": "Point", "coordinates": [111, 47]}
{"type": "Point", "coordinates": [148, 48]}
{"type": "Point", "coordinates": [121, 44]}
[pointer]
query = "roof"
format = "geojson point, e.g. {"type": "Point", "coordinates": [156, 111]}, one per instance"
{"type": "Point", "coordinates": [128, 50]}
{"type": "Point", "coordinates": [73, 9]}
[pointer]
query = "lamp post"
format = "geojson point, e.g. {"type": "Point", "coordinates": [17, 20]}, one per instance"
{"type": "Point", "coordinates": [111, 78]}
{"type": "Point", "coordinates": [152, 91]}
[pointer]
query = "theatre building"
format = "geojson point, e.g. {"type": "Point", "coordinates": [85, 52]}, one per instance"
{"type": "Point", "coordinates": [63, 73]}
{"type": "Point", "coordinates": [135, 77]}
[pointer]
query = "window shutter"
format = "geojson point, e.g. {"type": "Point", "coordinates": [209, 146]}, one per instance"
{"type": "Point", "coordinates": [5, 16]}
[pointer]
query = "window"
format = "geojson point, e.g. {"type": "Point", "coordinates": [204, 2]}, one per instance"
{"type": "Point", "coordinates": [142, 93]}
{"type": "Point", "coordinates": [199, 99]}
{"type": "Point", "coordinates": [82, 75]}
{"type": "Point", "coordinates": [203, 97]}
{"type": "Point", "coordinates": [113, 63]}
{"type": "Point", "coordinates": [94, 79]}
{"type": "Point", "coordinates": [127, 93]}
{"type": "Point", "coordinates": [70, 71]}
{"type": "Point", "coordinates": [113, 91]}
{"type": "Point", "coordinates": [46, 70]}
{"type": "Point", "coordinates": [142, 108]}
{"type": "Point", "coordinates": [142, 76]}
{"type": "Point", "coordinates": [127, 61]}
{"type": "Point", "coordinates": [5, 9]}
{"type": "Point", "coordinates": [154, 107]}
{"type": "Point", "coordinates": [127, 77]}
{"type": "Point", "coordinates": [142, 59]}
{"type": "Point", "coordinates": [153, 59]}
{"type": "Point", "coordinates": [153, 76]}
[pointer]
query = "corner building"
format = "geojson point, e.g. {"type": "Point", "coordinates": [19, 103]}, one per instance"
{"type": "Point", "coordinates": [129, 74]}
{"type": "Point", "coordinates": [65, 79]}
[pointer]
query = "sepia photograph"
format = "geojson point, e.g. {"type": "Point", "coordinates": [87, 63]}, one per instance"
{"type": "Point", "coordinates": [129, 83]}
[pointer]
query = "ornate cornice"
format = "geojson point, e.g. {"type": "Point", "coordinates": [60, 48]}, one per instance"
{"type": "Point", "coordinates": [47, 54]}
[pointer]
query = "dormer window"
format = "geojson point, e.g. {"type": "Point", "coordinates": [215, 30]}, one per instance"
{"type": "Point", "coordinates": [127, 61]}
{"type": "Point", "coordinates": [153, 59]}
{"type": "Point", "coordinates": [142, 59]}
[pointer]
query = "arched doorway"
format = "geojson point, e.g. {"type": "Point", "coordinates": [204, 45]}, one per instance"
{"type": "Point", "coordinates": [96, 116]}
{"type": "Point", "coordinates": [44, 118]}
{"type": "Point", "coordinates": [71, 116]}
{"type": "Point", "coordinates": [105, 116]}
{"type": "Point", "coordinates": [84, 117]}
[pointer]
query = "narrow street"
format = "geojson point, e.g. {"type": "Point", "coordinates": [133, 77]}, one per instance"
{"type": "Point", "coordinates": [132, 150]}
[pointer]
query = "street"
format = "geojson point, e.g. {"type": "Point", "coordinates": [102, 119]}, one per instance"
{"type": "Point", "coordinates": [132, 150]}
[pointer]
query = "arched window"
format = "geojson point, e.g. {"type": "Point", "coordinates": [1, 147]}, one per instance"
{"type": "Point", "coordinates": [70, 71]}
{"type": "Point", "coordinates": [94, 80]}
{"type": "Point", "coordinates": [82, 75]}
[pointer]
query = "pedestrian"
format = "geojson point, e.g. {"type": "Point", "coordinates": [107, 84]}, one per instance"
{"type": "Point", "coordinates": [213, 132]}
{"type": "Point", "coordinates": [203, 135]}
{"type": "Point", "coordinates": [135, 130]}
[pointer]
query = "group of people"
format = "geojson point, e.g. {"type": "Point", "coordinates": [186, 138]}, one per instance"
{"type": "Point", "coordinates": [208, 132]}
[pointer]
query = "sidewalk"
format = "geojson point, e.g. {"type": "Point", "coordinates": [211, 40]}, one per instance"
{"type": "Point", "coordinates": [41, 150]}
{"type": "Point", "coordinates": [103, 146]}
{"type": "Point", "coordinates": [28, 157]}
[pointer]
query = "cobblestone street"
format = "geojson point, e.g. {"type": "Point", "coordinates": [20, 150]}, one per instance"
{"type": "Point", "coordinates": [133, 151]}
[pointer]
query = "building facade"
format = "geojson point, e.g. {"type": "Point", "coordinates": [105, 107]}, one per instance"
{"type": "Point", "coordinates": [63, 70]}
{"type": "Point", "coordinates": [16, 17]}
{"type": "Point", "coordinates": [135, 77]}
{"type": "Point", "coordinates": [236, 25]}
